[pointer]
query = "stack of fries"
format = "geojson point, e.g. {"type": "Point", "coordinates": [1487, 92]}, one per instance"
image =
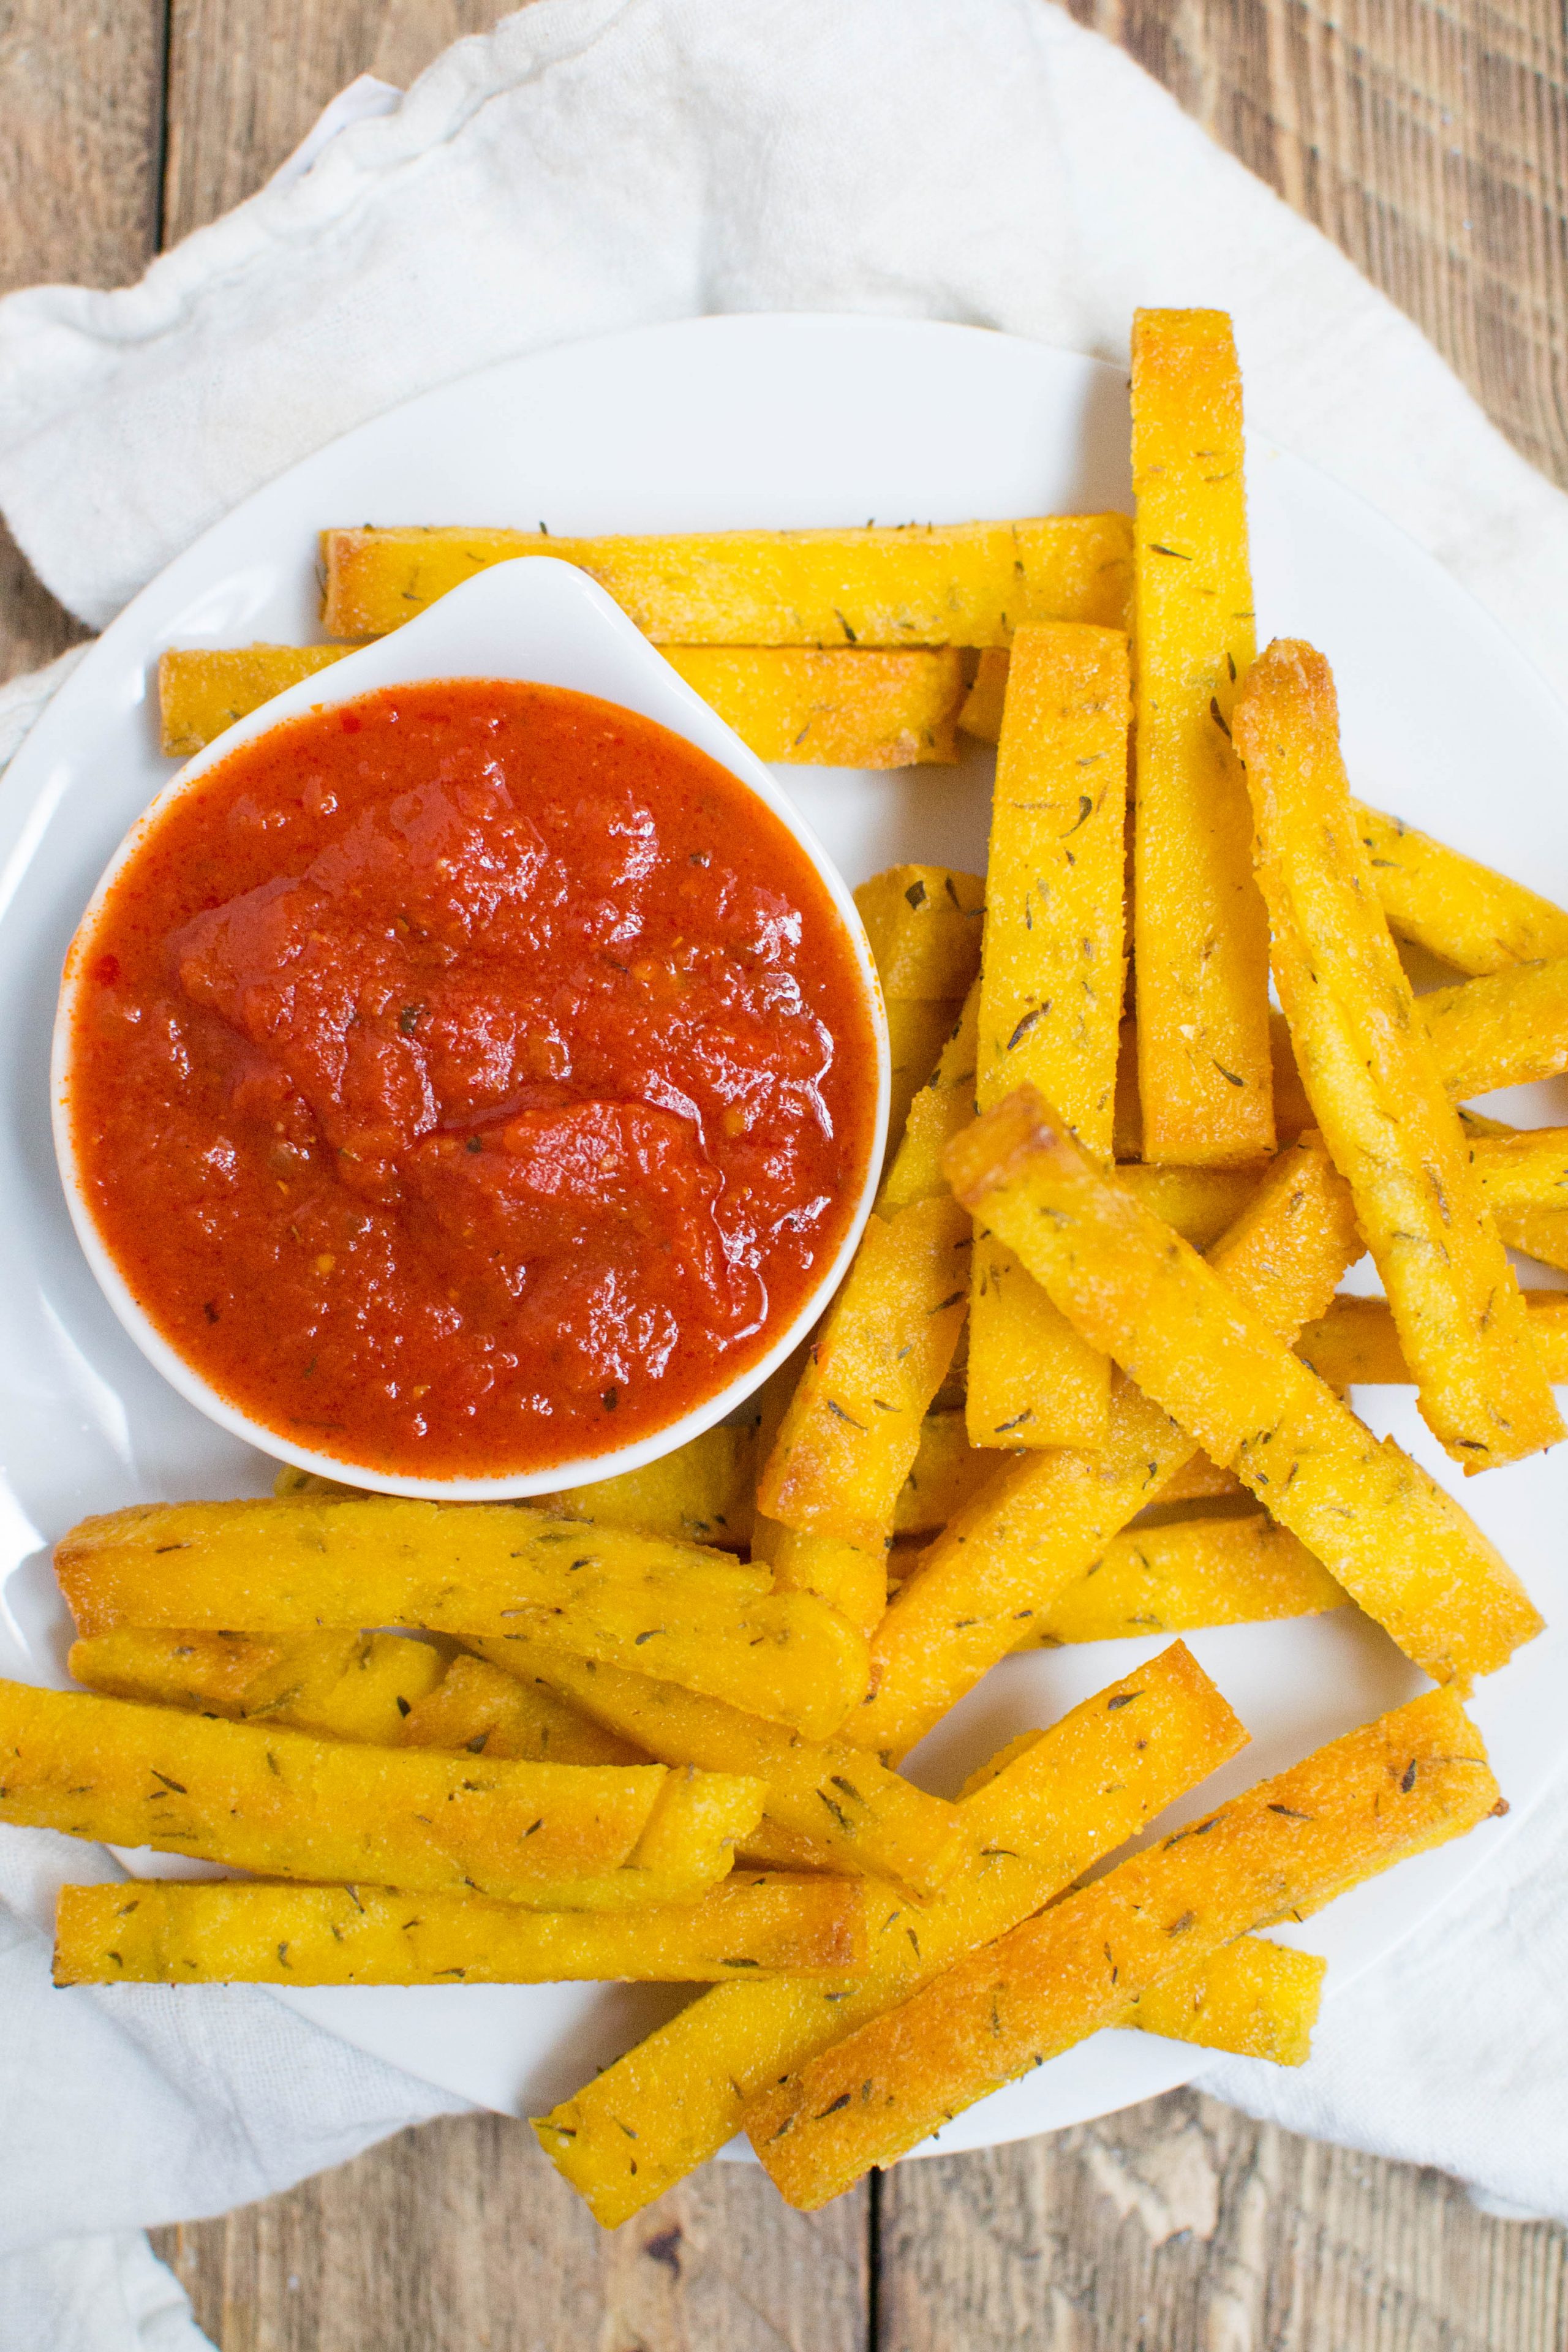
{"type": "Point", "coordinates": [1086, 1379]}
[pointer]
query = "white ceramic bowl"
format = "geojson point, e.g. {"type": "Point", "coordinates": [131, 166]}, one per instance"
{"type": "Point", "coordinates": [544, 623]}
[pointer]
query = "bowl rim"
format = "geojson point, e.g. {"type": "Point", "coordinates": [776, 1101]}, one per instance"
{"type": "Point", "coordinates": [520, 604]}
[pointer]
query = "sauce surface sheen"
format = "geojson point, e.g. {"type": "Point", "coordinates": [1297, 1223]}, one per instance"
{"type": "Point", "coordinates": [470, 1080]}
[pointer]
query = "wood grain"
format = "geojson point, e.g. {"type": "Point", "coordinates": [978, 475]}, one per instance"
{"type": "Point", "coordinates": [1430, 139]}
{"type": "Point", "coordinates": [1181, 2225]}
{"type": "Point", "coordinates": [248, 78]}
{"type": "Point", "coordinates": [82, 106]}
{"type": "Point", "coordinates": [462, 2235]}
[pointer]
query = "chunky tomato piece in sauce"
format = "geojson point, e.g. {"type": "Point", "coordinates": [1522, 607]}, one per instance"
{"type": "Point", "coordinates": [470, 1079]}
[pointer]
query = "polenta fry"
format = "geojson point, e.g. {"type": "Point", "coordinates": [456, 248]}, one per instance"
{"type": "Point", "coordinates": [699, 1617]}
{"type": "Point", "coordinates": [165, 1931]}
{"type": "Point", "coordinates": [342, 1686]}
{"type": "Point", "coordinates": [1189, 1573]}
{"type": "Point", "coordinates": [1399, 1544]}
{"type": "Point", "coordinates": [477, 1711]}
{"type": "Point", "coordinates": [1052, 969]}
{"type": "Point", "coordinates": [1356, 1341]}
{"type": "Point", "coordinates": [1452, 907]}
{"type": "Point", "coordinates": [924, 924]}
{"type": "Point", "coordinates": [946, 584]}
{"type": "Point", "coordinates": [862, 1817]}
{"type": "Point", "coordinates": [1201, 938]}
{"type": "Point", "coordinates": [1040, 1523]}
{"type": "Point", "coordinates": [1373, 1081]}
{"type": "Point", "coordinates": [278, 1802]}
{"type": "Point", "coordinates": [1412, 1780]}
{"type": "Point", "coordinates": [852, 1430]}
{"type": "Point", "coordinates": [1065, 1798]}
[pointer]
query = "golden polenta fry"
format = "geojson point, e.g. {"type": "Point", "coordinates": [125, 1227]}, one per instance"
{"type": "Point", "coordinates": [1201, 938]}
{"type": "Point", "coordinates": [1509, 1029]}
{"type": "Point", "coordinates": [833, 708]}
{"type": "Point", "coordinates": [1254, 1998]}
{"type": "Point", "coordinates": [701, 1494]}
{"type": "Point", "coordinates": [699, 1617]}
{"type": "Point", "coordinates": [862, 1817]}
{"type": "Point", "coordinates": [924, 924]}
{"type": "Point", "coordinates": [945, 585]}
{"type": "Point", "coordinates": [851, 1578]}
{"type": "Point", "coordinates": [1357, 1340]}
{"type": "Point", "coordinates": [1412, 1780]}
{"type": "Point", "coordinates": [947, 1471]}
{"type": "Point", "coordinates": [278, 1802]}
{"type": "Point", "coordinates": [1458, 909]}
{"type": "Point", "coordinates": [1052, 969]}
{"type": "Point", "coordinates": [917, 1031]}
{"type": "Point", "coordinates": [1062, 1798]}
{"type": "Point", "coordinates": [1399, 1544]}
{"type": "Point", "coordinates": [1190, 1573]}
{"type": "Point", "coordinates": [942, 1105]}
{"type": "Point", "coordinates": [981, 713]}
{"type": "Point", "coordinates": [177, 1931]}
{"type": "Point", "coordinates": [1054, 957]}
{"type": "Point", "coordinates": [1039, 1523]}
{"type": "Point", "coordinates": [343, 1686]}
{"type": "Point", "coordinates": [853, 1427]}
{"type": "Point", "coordinates": [477, 1711]}
{"type": "Point", "coordinates": [203, 690]}
{"type": "Point", "coordinates": [1454, 908]}
{"type": "Point", "coordinates": [838, 708]}
{"type": "Point", "coordinates": [1373, 1081]}
{"type": "Point", "coordinates": [1200, 1202]}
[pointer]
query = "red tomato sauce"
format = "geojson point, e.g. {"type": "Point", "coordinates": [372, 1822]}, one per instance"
{"type": "Point", "coordinates": [472, 1079]}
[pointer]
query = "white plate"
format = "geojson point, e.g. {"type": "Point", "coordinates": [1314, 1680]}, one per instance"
{"type": "Point", "coordinates": [707, 425]}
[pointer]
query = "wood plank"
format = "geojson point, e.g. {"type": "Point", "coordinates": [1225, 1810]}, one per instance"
{"type": "Point", "coordinates": [463, 2234]}
{"type": "Point", "coordinates": [81, 99]}
{"type": "Point", "coordinates": [1429, 139]}
{"type": "Point", "coordinates": [1182, 2225]}
{"type": "Point", "coordinates": [248, 78]}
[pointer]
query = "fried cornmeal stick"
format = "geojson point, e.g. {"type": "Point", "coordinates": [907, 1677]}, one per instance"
{"type": "Point", "coordinates": [476, 1710]}
{"type": "Point", "coordinates": [924, 925]}
{"type": "Point", "coordinates": [1254, 1998]}
{"type": "Point", "coordinates": [947, 1471]}
{"type": "Point", "coordinates": [344, 1685]}
{"type": "Point", "coordinates": [177, 1931]}
{"type": "Point", "coordinates": [285, 1805]}
{"type": "Point", "coordinates": [1398, 1544]}
{"type": "Point", "coordinates": [1458, 909]}
{"type": "Point", "coordinates": [1357, 1341]}
{"type": "Point", "coordinates": [1408, 1782]}
{"type": "Point", "coordinates": [1373, 1081]}
{"type": "Point", "coordinates": [839, 708]}
{"type": "Point", "coordinates": [917, 1031]}
{"type": "Point", "coordinates": [1061, 1801]}
{"type": "Point", "coordinates": [699, 1617]}
{"type": "Point", "coordinates": [1036, 1526]}
{"type": "Point", "coordinates": [1200, 934]}
{"type": "Point", "coordinates": [853, 1427]}
{"type": "Point", "coordinates": [1200, 1202]}
{"type": "Point", "coordinates": [1509, 1029]}
{"type": "Point", "coordinates": [701, 1494]}
{"type": "Point", "coordinates": [1052, 969]}
{"type": "Point", "coordinates": [943, 584]}
{"type": "Point", "coordinates": [1192, 1573]}
{"type": "Point", "coordinates": [860, 1816]}
{"type": "Point", "coordinates": [944, 1105]}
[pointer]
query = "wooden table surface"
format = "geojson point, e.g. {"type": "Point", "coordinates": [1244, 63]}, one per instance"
{"type": "Point", "coordinates": [1432, 143]}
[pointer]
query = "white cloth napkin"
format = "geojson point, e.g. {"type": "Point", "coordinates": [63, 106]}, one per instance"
{"type": "Point", "coordinates": [590, 166]}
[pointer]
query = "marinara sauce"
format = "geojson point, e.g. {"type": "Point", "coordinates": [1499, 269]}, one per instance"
{"type": "Point", "coordinates": [470, 1079]}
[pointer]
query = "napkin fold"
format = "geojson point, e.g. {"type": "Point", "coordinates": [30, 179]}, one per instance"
{"type": "Point", "coordinates": [591, 165]}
